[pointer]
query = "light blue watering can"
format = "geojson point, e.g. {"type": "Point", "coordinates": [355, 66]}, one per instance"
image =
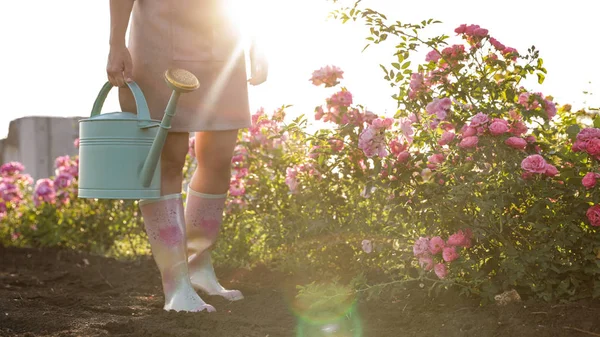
{"type": "Point", "coordinates": [119, 152]}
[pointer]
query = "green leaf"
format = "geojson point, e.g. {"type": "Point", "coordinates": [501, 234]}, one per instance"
{"type": "Point", "coordinates": [406, 65]}
{"type": "Point", "coordinates": [396, 65]}
{"type": "Point", "coordinates": [541, 78]}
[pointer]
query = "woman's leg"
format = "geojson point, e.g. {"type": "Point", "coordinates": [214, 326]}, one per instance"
{"type": "Point", "coordinates": [164, 223]}
{"type": "Point", "coordinates": [206, 198]}
{"type": "Point", "coordinates": [172, 162]}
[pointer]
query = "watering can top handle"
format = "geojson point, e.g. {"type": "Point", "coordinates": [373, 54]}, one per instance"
{"type": "Point", "coordinates": [140, 101]}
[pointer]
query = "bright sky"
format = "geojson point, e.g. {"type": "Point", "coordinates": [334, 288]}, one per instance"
{"type": "Point", "coordinates": [54, 52]}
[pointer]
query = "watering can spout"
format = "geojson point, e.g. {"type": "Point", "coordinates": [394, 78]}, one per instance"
{"type": "Point", "coordinates": [180, 81]}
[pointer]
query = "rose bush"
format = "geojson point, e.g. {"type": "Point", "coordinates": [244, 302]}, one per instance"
{"type": "Point", "coordinates": [475, 182]}
{"type": "Point", "coordinates": [486, 156]}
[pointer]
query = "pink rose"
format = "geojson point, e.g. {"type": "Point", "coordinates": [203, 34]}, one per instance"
{"type": "Point", "coordinates": [518, 128]}
{"type": "Point", "coordinates": [579, 145]}
{"type": "Point", "coordinates": [589, 180]}
{"type": "Point", "coordinates": [460, 239]}
{"type": "Point", "coordinates": [514, 115]}
{"type": "Point", "coordinates": [534, 164]}
{"type": "Point", "coordinates": [456, 239]}
{"type": "Point", "coordinates": [341, 98]}
{"type": "Point", "coordinates": [497, 128]}
{"type": "Point", "coordinates": [593, 147]}
{"type": "Point", "coordinates": [449, 253]}
{"type": "Point", "coordinates": [550, 108]}
{"type": "Point", "coordinates": [440, 270]}
{"type": "Point", "coordinates": [421, 246]}
{"type": "Point", "coordinates": [396, 146]}
{"type": "Point", "coordinates": [479, 119]}
{"type": "Point", "coordinates": [426, 262]}
{"type": "Point", "coordinates": [499, 46]}
{"type": "Point", "coordinates": [433, 56]}
{"type": "Point", "coordinates": [469, 142]}
{"type": "Point", "coordinates": [588, 133]}
{"type": "Point", "coordinates": [551, 170]}
{"type": "Point", "coordinates": [468, 131]}
{"type": "Point", "coordinates": [447, 137]}
{"type": "Point", "coordinates": [593, 214]}
{"type": "Point", "coordinates": [319, 113]}
{"type": "Point", "coordinates": [461, 29]}
{"type": "Point", "coordinates": [403, 157]}
{"type": "Point", "coordinates": [516, 143]}
{"type": "Point", "coordinates": [328, 75]}
{"type": "Point", "coordinates": [336, 145]}
{"type": "Point", "coordinates": [436, 159]}
{"type": "Point", "coordinates": [436, 245]}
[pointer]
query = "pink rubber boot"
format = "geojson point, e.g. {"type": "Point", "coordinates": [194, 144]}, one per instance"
{"type": "Point", "coordinates": [203, 218]}
{"type": "Point", "coordinates": [164, 224]}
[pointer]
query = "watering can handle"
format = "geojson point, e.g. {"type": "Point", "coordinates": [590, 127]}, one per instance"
{"type": "Point", "coordinates": [143, 114]}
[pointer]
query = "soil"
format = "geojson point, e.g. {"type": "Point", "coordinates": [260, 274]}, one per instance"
{"type": "Point", "coordinates": [50, 292]}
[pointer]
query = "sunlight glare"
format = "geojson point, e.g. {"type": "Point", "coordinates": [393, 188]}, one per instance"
{"type": "Point", "coordinates": [274, 23]}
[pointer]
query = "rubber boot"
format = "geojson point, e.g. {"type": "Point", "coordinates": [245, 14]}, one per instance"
{"type": "Point", "coordinates": [164, 224]}
{"type": "Point", "coordinates": [203, 218]}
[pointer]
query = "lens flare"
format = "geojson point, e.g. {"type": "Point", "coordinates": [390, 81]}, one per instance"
{"type": "Point", "coordinates": [326, 310]}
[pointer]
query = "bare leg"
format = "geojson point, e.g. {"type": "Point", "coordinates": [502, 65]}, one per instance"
{"type": "Point", "coordinates": [204, 208]}
{"type": "Point", "coordinates": [172, 162]}
{"type": "Point", "coordinates": [164, 223]}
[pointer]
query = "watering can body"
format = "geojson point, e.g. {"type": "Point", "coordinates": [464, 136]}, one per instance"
{"type": "Point", "coordinates": [113, 148]}
{"type": "Point", "coordinates": [119, 152]}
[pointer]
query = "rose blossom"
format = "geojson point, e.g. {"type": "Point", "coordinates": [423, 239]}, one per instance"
{"type": "Point", "coordinates": [11, 168]}
{"type": "Point", "coordinates": [421, 246]}
{"type": "Point", "coordinates": [440, 270]}
{"type": "Point", "coordinates": [579, 146]}
{"type": "Point", "coordinates": [516, 143]}
{"type": "Point", "coordinates": [479, 119]}
{"type": "Point", "coordinates": [498, 127]}
{"type": "Point", "coordinates": [426, 262]}
{"type": "Point", "coordinates": [433, 56]}
{"type": "Point", "coordinates": [468, 131]}
{"type": "Point", "coordinates": [459, 239]}
{"type": "Point", "coordinates": [446, 138]}
{"type": "Point", "coordinates": [550, 108]}
{"type": "Point", "coordinates": [439, 107]}
{"type": "Point", "coordinates": [341, 98]}
{"type": "Point", "coordinates": [336, 145]}
{"type": "Point", "coordinates": [44, 192]}
{"type": "Point", "coordinates": [328, 75]}
{"type": "Point", "coordinates": [436, 159]}
{"type": "Point", "coordinates": [396, 146]}
{"type": "Point", "coordinates": [589, 180]}
{"type": "Point", "coordinates": [403, 156]}
{"type": "Point", "coordinates": [588, 133]}
{"type": "Point", "coordinates": [372, 142]}
{"type": "Point", "coordinates": [469, 142]}
{"type": "Point", "coordinates": [518, 128]}
{"type": "Point", "coordinates": [449, 253]}
{"type": "Point", "coordinates": [436, 244]}
{"type": "Point", "coordinates": [593, 147]}
{"type": "Point", "coordinates": [551, 170]}
{"type": "Point", "coordinates": [593, 214]}
{"type": "Point", "coordinates": [534, 164]}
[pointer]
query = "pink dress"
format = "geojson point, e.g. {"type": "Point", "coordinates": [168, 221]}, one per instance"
{"type": "Point", "coordinates": [194, 35]}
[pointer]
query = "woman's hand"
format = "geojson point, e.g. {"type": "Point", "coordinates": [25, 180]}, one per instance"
{"type": "Point", "coordinates": [259, 66]}
{"type": "Point", "coordinates": [120, 67]}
